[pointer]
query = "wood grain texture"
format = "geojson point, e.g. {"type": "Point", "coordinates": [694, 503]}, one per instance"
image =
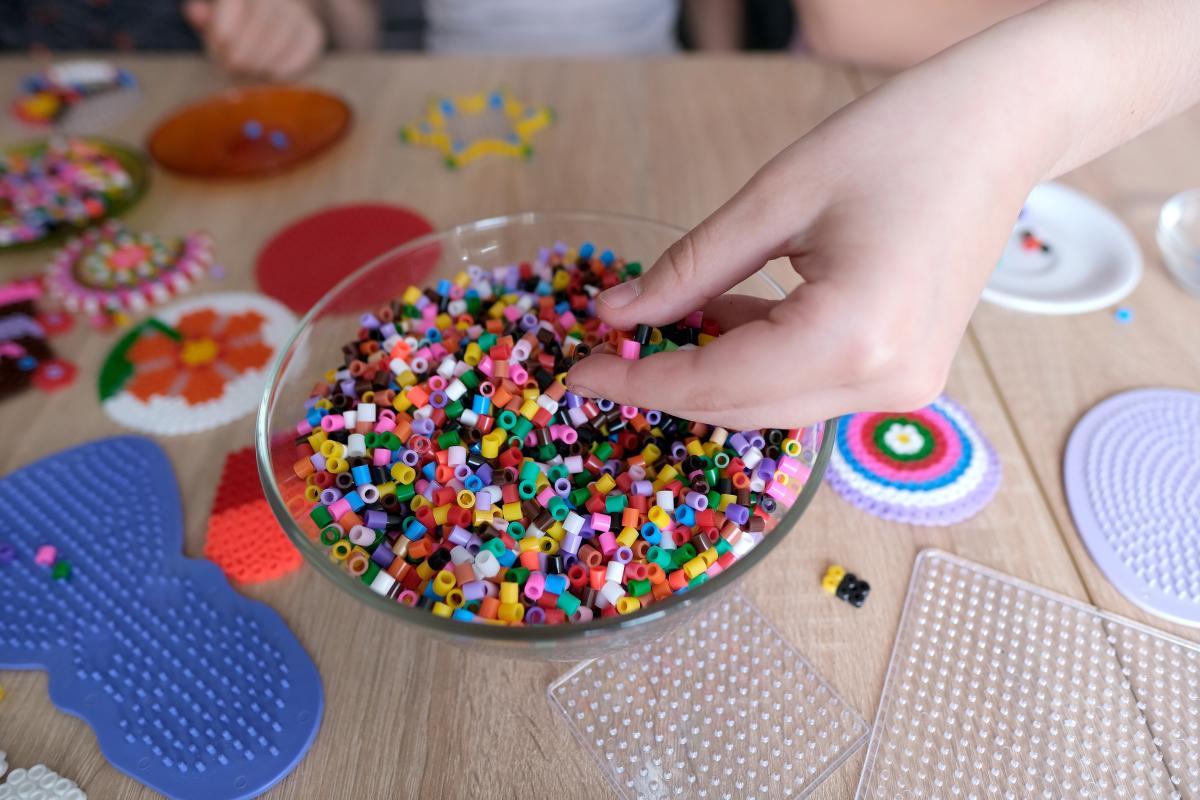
{"type": "Point", "coordinates": [668, 139]}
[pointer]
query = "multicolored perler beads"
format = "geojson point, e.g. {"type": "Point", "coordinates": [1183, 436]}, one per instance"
{"type": "Point", "coordinates": [111, 270]}
{"type": "Point", "coordinates": [927, 467]}
{"type": "Point", "coordinates": [465, 128]}
{"type": "Point", "coordinates": [244, 539]}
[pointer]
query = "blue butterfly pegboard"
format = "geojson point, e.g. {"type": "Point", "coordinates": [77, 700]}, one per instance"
{"type": "Point", "coordinates": [191, 688]}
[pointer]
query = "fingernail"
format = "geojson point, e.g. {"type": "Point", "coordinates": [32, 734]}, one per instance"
{"type": "Point", "coordinates": [622, 294]}
{"type": "Point", "coordinates": [581, 390]}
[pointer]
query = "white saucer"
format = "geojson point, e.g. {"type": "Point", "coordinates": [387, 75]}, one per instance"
{"type": "Point", "coordinates": [1093, 261]}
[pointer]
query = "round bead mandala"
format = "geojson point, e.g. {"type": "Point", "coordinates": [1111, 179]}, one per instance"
{"type": "Point", "coordinates": [110, 269]}
{"type": "Point", "coordinates": [926, 467]}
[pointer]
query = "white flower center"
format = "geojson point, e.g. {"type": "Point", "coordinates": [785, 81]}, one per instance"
{"type": "Point", "coordinates": [903, 438]}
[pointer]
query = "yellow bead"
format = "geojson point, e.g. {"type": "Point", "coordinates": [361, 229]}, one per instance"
{"type": "Point", "coordinates": [442, 610]}
{"type": "Point", "coordinates": [651, 453]}
{"type": "Point", "coordinates": [508, 592]}
{"type": "Point", "coordinates": [424, 571]}
{"type": "Point", "coordinates": [627, 537]}
{"type": "Point", "coordinates": [336, 465]}
{"type": "Point", "coordinates": [605, 484]}
{"type": "Point", "coordinates": [466, 499]}
{"type": "Point", "coordinates": [547, 545]}
{"type": "Point", "coordinates": [403, 473]}
{"type": "Point", "coordinates": [695, 448]}
{"type": "Point", "coordinates": [441, 514]}
{"type": "Point", "coordinates": [511, 612]}
{"type": "Point", "coordinates": [659, 517]}
{"type": "Point", "coordinates": [628, 605]}
{"type": "Point", "coordinates": [443, 582]}
{"type": "Point", "coordinates": [694, 567]}
{"type": "Point", "coordinates": [512, 512]}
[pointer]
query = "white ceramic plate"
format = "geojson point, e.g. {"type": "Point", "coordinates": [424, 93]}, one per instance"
{"type": "Point", "coordinates": [1093, 260]}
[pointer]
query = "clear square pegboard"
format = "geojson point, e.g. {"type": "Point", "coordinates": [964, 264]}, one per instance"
{"type": "Point", "coordinates": [1000, 689]}
{"type": "Point", "coordinates": [726, 711]}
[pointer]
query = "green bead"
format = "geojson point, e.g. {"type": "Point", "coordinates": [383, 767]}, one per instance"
{"type": "Point", "coordinates": [517, 574]}
{"type": "Point", "coordinates": [527, 490]}
{"type": "Point", "coordinates": [486, 341]}
{"type": "Point", "coordinates": [580, 496]}
{"type": "Point", "coordinates": [558, 508]}
{"type": "Point", "coordinates": [321, 516]}
{"type": "Point", "coordinates": [522, 427]}
{"type": "Point", "coordinates": [454, 411]}
{"type": "Point", "coordinates": [699, 579]}
{"type": "Point", "coordinates": [615, 504]}
{"type": "Point", "coordinates": [405, 492]}
{"type": "Point", "coordinates": [633, 269]}
{"type": "Point", "coordinates": [496, 546]}
{"type": "Point", "coordinates": [506, 420]}
{"type": "Point", "coordinates": [330, 536]}
{"type": "Point", "coordinates": [546, 452]}
{"type": "Point", "coordinates": [448, 439]}
{"type": "Point", "coordinates": [556, 472]}
{"type": "Point", "coordinates": [470, 379]}
{"type": "Point", "coordinates": [638, 588]}
{"type": "Point", "coordinates": [516, 530]}
{"type": "Point", "coordinates": [60, 570]}
{"type": "Point", "coordinates": [723, 546]}
{"type": "Point", "coordinates": [659, 556]}
{"type": "Point", "coordinates": [569, 603]}
{"type": "Point", "coordinates": [602, 450]}
{"type": "Point", "coordinates": [529, 471]}
{"type": "Point", "coordinates": [369, 575]}
{"type": "Point", "coordinates": [714, 498]}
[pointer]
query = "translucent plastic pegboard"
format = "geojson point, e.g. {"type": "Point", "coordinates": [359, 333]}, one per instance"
{"type": "Point", "coordinates": [1000, 689]}
{"type": "Point", "coordinates": [728, 710]}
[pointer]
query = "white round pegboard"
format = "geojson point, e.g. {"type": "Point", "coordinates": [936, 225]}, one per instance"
{"type": "Point", "coordinates": [1132, 478]}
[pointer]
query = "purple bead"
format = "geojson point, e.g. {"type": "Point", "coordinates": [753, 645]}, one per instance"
{"type": "Point", "coordinates": [7, 552]}
{"type": "Point", "coordinates": [459, 536]}
{"type": "Point", "coordinates": [383, 557]}
{"type": "Point", "coordinates": [462, 472]}
{"type": "Point", "coordinates": [410, 458]}
{"type": "Point", "coordinates": [330, 496]}
{"type": "Point", "coordinates": [623, 555]}
{"type": "Point", "coordinates": [738, 442]}
{"type": "Point", "coordinates": [562, 487]}
{"type": "Point", "coordinates": [484, 473]}
{"type": "Point", "coordinates": [474, 590]}
{"type": "Point", "coordinates": [535, 615]}
{"type": "Point", "coordinates": [570, 543]}
{"type": "Point", "coordinates": [375, 519]}
{"type": "Point", "coordinates": [369, 320]}
{"type": "Point", "coordinates": [765, 469]}
{"type": "Point", "coordinates": [737, 514]}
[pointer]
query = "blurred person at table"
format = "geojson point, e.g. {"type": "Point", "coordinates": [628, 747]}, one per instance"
{"type": "Point", "coordinates": [895, 210]}
{"type": "Point", "coordinates": [258, 38]}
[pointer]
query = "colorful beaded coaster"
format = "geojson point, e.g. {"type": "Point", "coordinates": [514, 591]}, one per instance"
{"type": "Point", "coordinates": [190, 688]}
{"type": "Point", "coordinates": [56, 94]}
{"type": "Point", "coordinates": [1000, 689]}
{"type": "Point", "coordinates": [464, 128]}
{"type": "Point", "coordinates": [926, 467]}
{"type": "Point", "coordinates": [244, 538]}
{"type": "Point", "coordinates": [1131, 471]}
{"type": "Point", "coordinates": [54, 187]}
{"type": "Point", "coordinates": [111, 270]}
{"type": "Point", "coordinates": [729, 709]}
{"type": "Point", "coordinates": [198, 364]}
{"type": "Point", "coordinates": [26, 357]}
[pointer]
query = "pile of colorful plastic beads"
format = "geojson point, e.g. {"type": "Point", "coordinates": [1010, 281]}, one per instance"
{"type": "Point", "coordinates": [69, 182]}
{"type": "Point", "coordinates": [449, 468]}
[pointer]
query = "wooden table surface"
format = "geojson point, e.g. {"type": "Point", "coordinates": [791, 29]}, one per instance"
{"type": "Point", "coordinates": [668, 139]}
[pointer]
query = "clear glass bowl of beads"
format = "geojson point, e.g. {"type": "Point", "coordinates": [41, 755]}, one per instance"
{"type": "Point", "coordinates": [489, 243]}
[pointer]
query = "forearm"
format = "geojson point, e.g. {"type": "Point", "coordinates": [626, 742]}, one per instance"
{"type": "Point", "coordinates": [1055, 87]}
{"type": "Point", "coordinates": [898, 33]}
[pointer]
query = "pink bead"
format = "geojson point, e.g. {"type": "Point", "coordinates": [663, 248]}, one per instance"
{"type": "Point", "coordinates": [304, 428]}
{"type": "Point", "coordinates": [601, 522]}
{"type": "Point", "coordinates": [631, 349]}
{"type": "Point", "coordinates": [340, 509]}
{"type": "Point", "coordinates": [332, 422]}
{"type": "Point", "coordinates": [608, 543]}
{"type": "Point", "coordinates": [46, 555]}
{"type": "Point", "coordinates": [382, 457]}
{"type": "Point", "coordinates": [545, 496]}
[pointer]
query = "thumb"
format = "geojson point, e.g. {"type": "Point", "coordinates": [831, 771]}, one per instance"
{"type": "Point", "coordinates": [198, 13]}
{"type": "Point", "coordinates": [716, 255]}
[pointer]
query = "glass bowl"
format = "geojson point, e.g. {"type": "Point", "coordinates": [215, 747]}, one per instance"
{"type": "Point", "coordinates": [1179, 238]}
{"type": "Point", "coordinates": [315, 347]}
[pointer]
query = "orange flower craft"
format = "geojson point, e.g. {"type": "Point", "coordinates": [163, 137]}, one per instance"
{"type": "Point", "coordinates": [200, 364]}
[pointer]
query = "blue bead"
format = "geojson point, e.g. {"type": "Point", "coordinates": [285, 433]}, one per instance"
{"type": "Point", "coordinates": [607, 257]}
{"type": "Point", "coordinates": [684, 515]}
{"type": "Point", "coordinates": [252, 129]}
{"type": "Point", "coordinates": [556, 584]}
{"type": "Point", "coordinates": [361, 475]}
{"type": "Point", "coordinates": [279, 140]}
{"type": "Point", "coordinates": [463, 615]}
{"type": "Point", "coordinates": [507, 558]}
{"type": "Point", "coordinates": [429, 470]}
{"type": "Point", "coordinates": [586, 249]}
{"type": "Point", "coordinates": [1123, 315]}
{"type": "Point", "coordinates": [355, 500]}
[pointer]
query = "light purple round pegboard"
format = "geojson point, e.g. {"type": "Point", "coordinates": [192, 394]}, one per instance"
{"type": "Point", "coordinates": [1132, 478]}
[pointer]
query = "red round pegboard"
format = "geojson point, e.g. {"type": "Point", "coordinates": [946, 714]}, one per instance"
{"type": "Point", "coordinates": [308, 257]}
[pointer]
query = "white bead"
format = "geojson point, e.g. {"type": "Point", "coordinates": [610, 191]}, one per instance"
{"type": "Point", "coordinates": [366, 412]}
{"type": "Point", "coordinates": [356, 445]}
{"type": "Point", "coordinates": [383, 583]}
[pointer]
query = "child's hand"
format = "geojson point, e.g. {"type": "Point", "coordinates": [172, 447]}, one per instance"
{"type": "Point", "coordinates": [893, 218]}
{"type": "Point", "coordinates": [263, 38]}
